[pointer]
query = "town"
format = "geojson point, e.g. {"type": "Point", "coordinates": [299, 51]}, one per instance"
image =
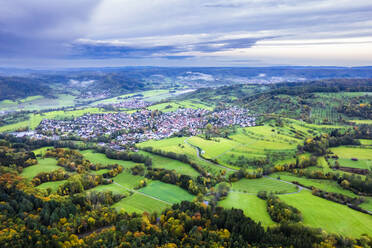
{"type": "Point", "coordinates": [124, 128]}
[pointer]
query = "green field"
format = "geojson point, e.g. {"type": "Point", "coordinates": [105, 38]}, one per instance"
{"type": "Point", "coordinates": [170, 164]}
{"type": "Point", "coordinates": [368, 122]}
{"type": "Point", "coordinates": [43, 165]}
{"type": "Point", "coordinates": [251, 205]}
{"type": "Point", "coordinates": [365, 142]}
{"type": "Point", "coordinates": [52, 185]}
{"type": "Point", "coordinates": [345, 154]}
{"type": "Point", "coordinates": [100, 158]}
{"type": "Point", "coordinates": [35, 119]}
{"type": "Point", "coordinates": [173, 106]}
{"type": "Point", "coordinates": [140, 203]}
{"type": "Point", "coordinates": [325, 185]}
{"type": "Point", "coordinates": [178, 146]}
{"type": "Point", "coordinates": [330, 216]}
{"type": "Point", "coordinates": [167, 192]}
{"type": "Point", "coordinates": [367, 205]}
{"type": "Point", "coordinates": [263, 184]}
{"type": "Point", "coordinates": [213, 148]}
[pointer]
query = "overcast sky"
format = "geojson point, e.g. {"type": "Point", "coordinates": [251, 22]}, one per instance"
{"type": "Point", "coordinates": [70, 33]}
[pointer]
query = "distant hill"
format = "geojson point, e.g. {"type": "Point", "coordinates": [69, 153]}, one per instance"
{"type": "Point", "coordinates": [18, 83]}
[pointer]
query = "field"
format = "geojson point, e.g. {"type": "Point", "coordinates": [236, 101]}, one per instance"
{"type": "Point", "coordinates": [44, 165]}
{"type": "Point", "coordinates": [52, 185]}
{"type": "Point", "coordinates": [326, 185]}
{"type": "Point", "coordinates": [263, 184]}
{"type": "Point", "coordinates": [252, 206]}
{"type": "Point", "coordinates": [100, 158]}
{"type": "Point", "coordinates": [368, 122]}
{"type": "Point", "coordinates": [330, 216]}
{"type": "Point", "coordinates": [172, 106]}
{"type": "Point", "coordinates": [35, 119]}
{"type": "Point", "coordinates": [345, 154]}
{"type": "Point", "coordinates": [167, 192]}
{"type": "Point", "coordinates": [139, 203]}
{"type": "Point", "coordinates": [256, 143]}
{"type": "Point", "coordinates": [38, 103]}
{"type": "Point", "coordinates": [179, 146]}
{"type": "Point", "coordinates": [170, 164]}
{"type": "Point", "coordinates": [365, 142]}
{"type": "Point", "coordinates": [367, 205]}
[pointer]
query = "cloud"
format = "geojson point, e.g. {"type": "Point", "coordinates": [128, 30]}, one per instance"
{"type": "Point", "coordinates": [40, 27]}
{"type": "Point", "coordinates": [182, 29]}
{"type": "Point", "coordinates": [114, 49]}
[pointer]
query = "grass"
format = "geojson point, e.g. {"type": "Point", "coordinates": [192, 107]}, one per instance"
{"type": "Point", "coordinates": [167, 192]}
{"type": "Point", "coordinates": [139, 203]}
{"type": "Point", "coordinates": [326, 185]}
{"type": "Point", "coordinates": [252, 206]}
{"type": "Point", "coordinates": [365, 142]}
{"type": "Point", "coordinates": [367, 205]}
{"type": "Point", "coordinates": [52, 185]}
{"type": "Point", "coordinates": [35, 119]}
{"type": "Point", "coordinates": [127, 180]}
{"type": "Point", "coordinates": [44, 165]}
{"type": "Point", "coordinates": [173, 106]}
{"type": "Point", "coordinates": [213, 148]}
{"type": "Point", "coordinates": [330, 216]}
{"type": "Point", "coordinates": [345, 154]}
{"type": "Point", "coordinates": [170, 164]}
{"type": "Point", "coordinates": [100, 158]}
{"type": "Point", "coordinates": [369, 122]}
{"type": "Point", "coordinates": [178, 146]}
{"type": "Point", "coordinates": [263, 184]}
{"type": "Point", "coordinates": [99, 172]}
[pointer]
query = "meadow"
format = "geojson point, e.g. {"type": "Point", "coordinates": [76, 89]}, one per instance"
{"type": "Point", "coordinates": [179, 146]}
{"type": "Point", "coordinates": [139, 203]}
{"type": "Point", "coordinates": [330, 216]}
{"type": "Point", "coordinates": [43, 165]}
{"type": "Point", "coordinates": [263, 184]}
{"type": "Point", "coordinates": [345, 154]}
{"type": "Point", "coordinates": [325, 185]}
{"type": "Point", "coordinates": [170, 164]}
{"type": "Point", "coordinates": [252, 206]}
{"type": "Point", "coordinates": [100, 158]}
{"type": "Point", "coordinates": [166, 192]}
{"type": "Point", "coordinates": [52, 185]}
{"type": "Point", "coordinates": [35, 119]}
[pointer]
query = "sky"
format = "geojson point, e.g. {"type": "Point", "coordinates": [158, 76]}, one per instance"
{"type": "Point", "coordinates": [104, 33]}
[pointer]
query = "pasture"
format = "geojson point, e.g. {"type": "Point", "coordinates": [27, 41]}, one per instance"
{"type": "Point", "coordinates": [345, 154]}
{"type": "Point", "coordinates": [167, 192]}
{"type": "Point", "coordinates": [139, 203]}
{"type": "Point", "coordinates": [253, 186]}
{"type": "Point", "coordinates": [252, 206]}
{"type": "Point", "coordinates": [170, 164]}
{"type": "Point", "coordinates": [35, 119]}
{"type": "Point", "coordinates": [330, 216]}
{"type": "Point", "coordinates": [178, 146]}
{"type": "Point", "coordinates": [52, 185]}
{"type": "Point", "coordinates": [100, 158]}
{"type": "Point", "coordinates": [325, 185]}
{"type": "Point", "coordinates": [43, 165]}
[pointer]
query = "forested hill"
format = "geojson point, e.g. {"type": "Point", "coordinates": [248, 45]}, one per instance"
{"type": "Point", "coordinates": [19, 84]}
{"type": "Point", "coordinates": [19, 87]}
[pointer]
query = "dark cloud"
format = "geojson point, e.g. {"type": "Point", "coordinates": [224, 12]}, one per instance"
{"type": "Point", "coordinates": [108, 50]}
{"type": "Point", "coordinates": [40, 27]}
